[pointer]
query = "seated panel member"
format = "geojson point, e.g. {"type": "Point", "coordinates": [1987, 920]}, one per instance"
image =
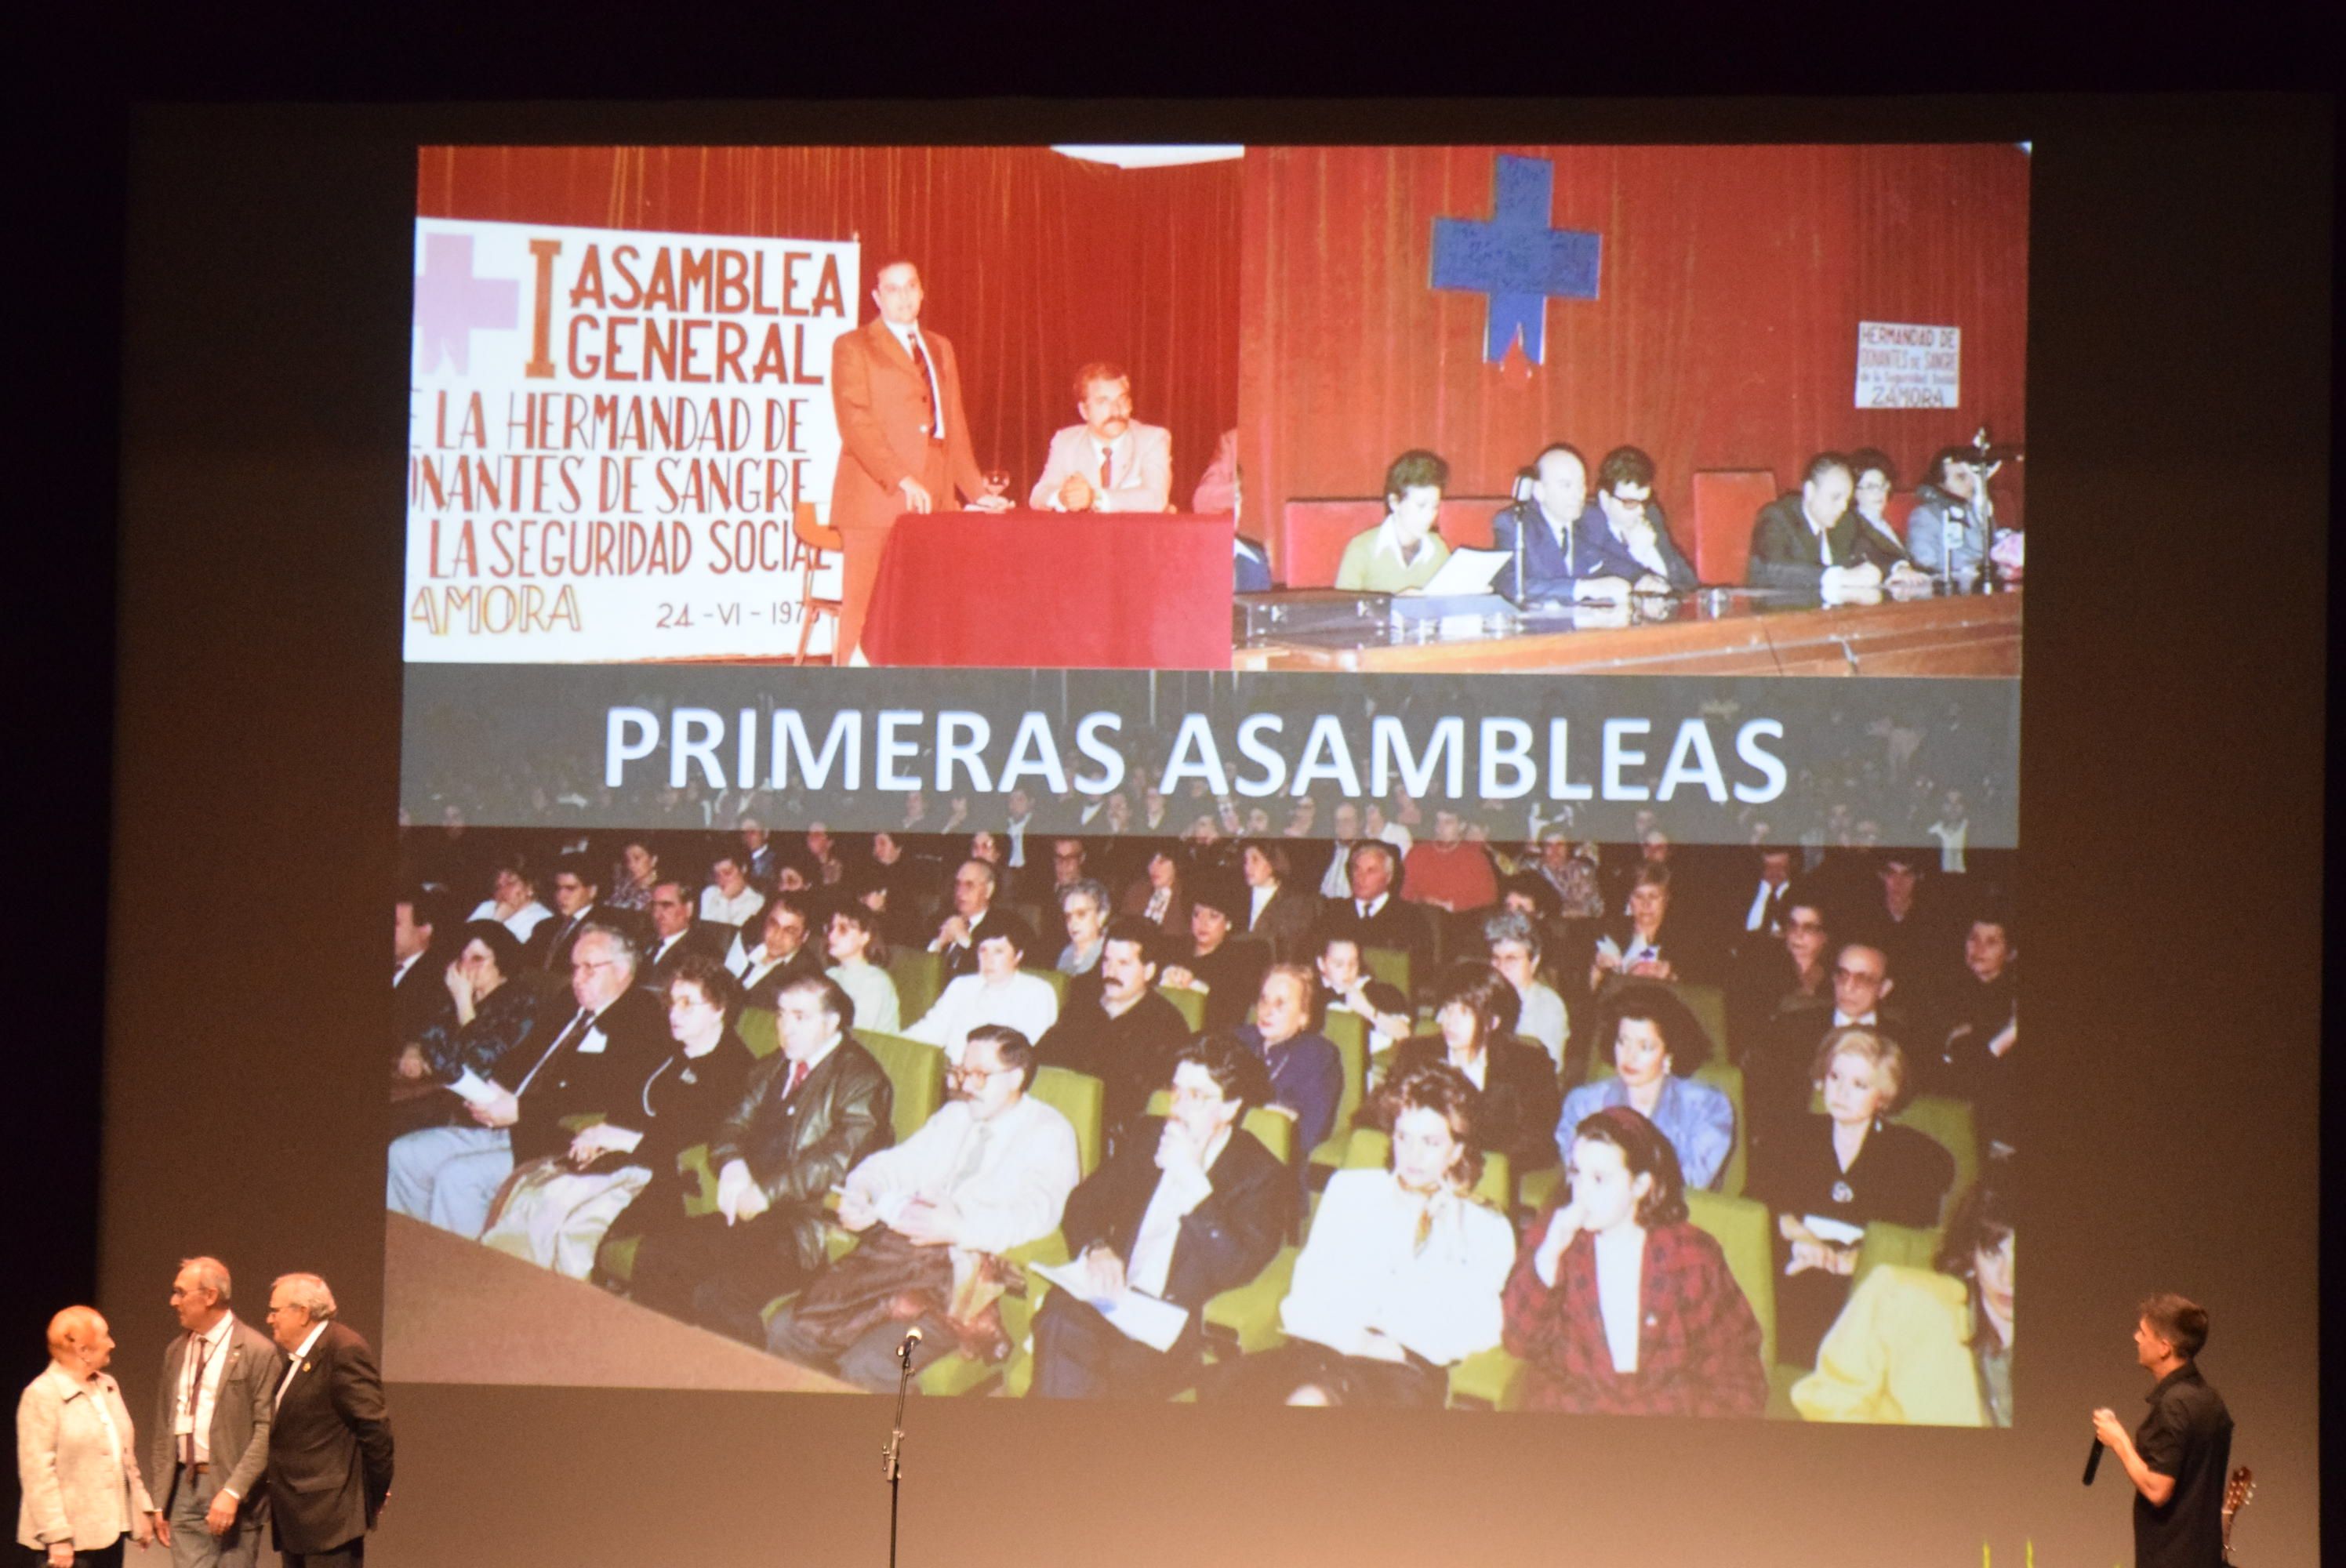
{"type": "Point", "coordinates": [1623, 1307]}
{"type": "Point", "coordinates": [1543, 529]}
{"type": "Point", "coordinates": [808, 1116]}
{"type": "Point", "coordinates": [1111, 461]}
{"type": "Point", "coordinates": [1195, 1209]}
{"type": "Point", "coordinates": [1403, 552]}
{"type": "Point", "coordinates": [1623, 537]}
{"type": "Point", "coordinates": [1809, 540]}
{"type": "Point", "coordinates": [1953, 520]}
{"type": "Point", "coordinates": [1874, 482]}
{"type": "Point", "coordinates": [990, 1171]}
{"type": "Point", "coordinates": [1402, 1273]}
{"type": "Point", "coordinates": [998, 993]}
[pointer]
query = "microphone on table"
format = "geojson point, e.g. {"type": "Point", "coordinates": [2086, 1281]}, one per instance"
{"type": "Point", "coordinates": [2093, 1460]}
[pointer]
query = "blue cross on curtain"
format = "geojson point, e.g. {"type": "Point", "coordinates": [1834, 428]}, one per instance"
{"type": "Point", "coordinates": [1515, 259]}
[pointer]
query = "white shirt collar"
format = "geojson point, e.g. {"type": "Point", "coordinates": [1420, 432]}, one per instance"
{"type": "Point", "coordinates": [310, 1340]}
{"type": "Point", "coordinates": [1389, 543]}
{"type": "Point", "coordinates": [904, 335]}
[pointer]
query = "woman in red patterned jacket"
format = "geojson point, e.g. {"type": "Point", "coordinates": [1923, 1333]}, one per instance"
{"type": "Point", "coordinates": [1622, 1306]}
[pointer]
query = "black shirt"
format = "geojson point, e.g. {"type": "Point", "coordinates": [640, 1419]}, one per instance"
{"type": "Point", "coordinates": [2186, 1435]}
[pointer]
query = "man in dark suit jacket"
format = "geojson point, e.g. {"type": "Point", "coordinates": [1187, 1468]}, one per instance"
{"type": "Point", "coordinates": [1623, 535]}
{"type": "Point", "coordinates": [1194, 1210]}
{"type": "Point", "coordinates": [1541, 532]}
{"type": "Point", "coordinates": [1376, 915]}
{"type": "Point", "coordinates": [1124, 1032]}
{"type": "Point", "coordinates": [209, 1447]}
{"type": "Point", "coordinates": [420, 1004]}
{"type": "Point", "coordinates": [577, 894]}
{"type": "Point", "coordinates": [329, 1447]}
{"type": "Point", "coordinates": [450, 1175]}
{"type": "Point", "coordinates": [677, 935]}
{"type": "Point", "coordinates": [810, 1111]}
{"type": "Point", "coordinates": [1808, 540]}
{"type": "Point", "coordinates": [904, 436]}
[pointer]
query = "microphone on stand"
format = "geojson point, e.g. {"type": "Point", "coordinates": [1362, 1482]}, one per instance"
{"type": "Point", "coordinates": [2093, 1460]}
{"type": "Point", "coordinates": [912, 1338]}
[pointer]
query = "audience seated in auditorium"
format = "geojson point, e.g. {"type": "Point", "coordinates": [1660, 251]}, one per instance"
{"type": "Point", "coordinates": [781, 953]}
{"type": "Point", "coordinates": [513, 899]}
{"type": "Point", "coordinates": [1514, 939]}
{"type": "Point", "coordinates": [1401, 1276]}
{"type": "Point", "coordinates": [859, 955]}
{"type": "Point", "coordinates": [577, 903]}
{"type": "Point", "coordinates": [976, 885]}
{"type": "Point", "coordinates": [1403, 552]}
{"type": "Point", "coordinates": [677, 935]}
{"type": "Point", "coordinates": [1780, 1070]}
{"type": "Point", "coordinates": [1225, 968]}
{"type": "Point", "coordinates": [1648, 945]}
{"type": "Point", "coordinates": [1307, 1076]}
{"type": "Point", "coordinates": [1622, 1306]}
{"type": "Point", "coordinates": [1930, 1347]}
{"type": "Point", "coordinates": [1373, 913]}
{"type": "Point", "coordinates": [1654, 1045]}
{"type": "Point", "coordinates": [448, 1176]}
{"type": "Point", "coordinates": [1084, 912]}
{"type": "Point", "coordinates": [996, 993]}
{"type": "Point", "coordinates": [729, 899]}
{"type": "Point", "coordinates": [1123, 1033]}
{"type": "Point", "coordinates": [1188, 1209]}
{"type": "Point", "coordinates": [1981, 1018]}
{"type": "Point", "coordinates": [1447, 872]}
{"type": "Point", "coordinates": [990, 1171]}
{"type": "Point", "coordinates": [1111, 461]}
{"type": "Point", "coordinates": [1514, 1080]}
{"type": "Point", "coordinates": [492, 1015]}
{"type": "Point", "coordinates": [1157, 896]}
{"type": "Point", "coordinates": [560, 1207]}
{"type": "Point", "coordinates": [1279, 912]}
{"type": "Point", "coordinates": [1838, 1172]}
{"type": "Point", "coordinates": [1344, 985]}
{"type": "Point", "coordinates": [419, 990]}
{"type": "Point", "coordinates": [806, 1116]}
{"type": "Point", "coordinates": [757, 857]}
{"type": "Point", "coordinates": [632, 877]}
{"type": "Point", "coordinates": [1809, 540]}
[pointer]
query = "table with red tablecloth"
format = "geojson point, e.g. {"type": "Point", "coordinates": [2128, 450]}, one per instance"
{"type": "Point", "coordinates": [1049, 589]}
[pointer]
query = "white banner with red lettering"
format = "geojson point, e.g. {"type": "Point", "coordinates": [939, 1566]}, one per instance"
{"type": "Point", "coordinates": [608, 432]}
{"type": "Point", "coordinates": [1904, 365]}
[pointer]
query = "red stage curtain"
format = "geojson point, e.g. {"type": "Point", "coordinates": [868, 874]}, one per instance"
{"type": "Point", "coordinates": [1034, 263]}
{"type": "Point", "coordinates": [1724, 335]}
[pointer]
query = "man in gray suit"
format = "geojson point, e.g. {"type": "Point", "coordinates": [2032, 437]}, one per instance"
{"type": "Point", "coordinates": [211, 1436]}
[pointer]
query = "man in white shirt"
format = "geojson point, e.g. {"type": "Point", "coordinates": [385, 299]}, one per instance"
{"type": "Point", "coordinates": [1111, 461]}
{"type": "Point", "coordinates": [729, 899]}
{"type": "Point", "coordinates": [989, 1172]}
{"type": "Point", "coordinates": [209, 1444]}
{"type": "Point", "coordinates": [997, 993]}
{"type": "Point", "coordinates": [780, 955]}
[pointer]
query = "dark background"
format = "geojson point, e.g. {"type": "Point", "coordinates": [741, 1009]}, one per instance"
{"type": "Point", "coordinates": [2181, 382]}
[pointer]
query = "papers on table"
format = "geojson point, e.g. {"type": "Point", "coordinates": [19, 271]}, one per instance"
{"type": "Point", "coordinates": [474, 1089]}
{"type": "Point", "coordinates": [1149, 1319]}
{"type": "Point", "coordinates": [1468, 571]}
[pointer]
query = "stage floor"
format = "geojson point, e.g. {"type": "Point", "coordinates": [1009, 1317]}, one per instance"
{"type": "Point", "coordinates": [457, 1313]}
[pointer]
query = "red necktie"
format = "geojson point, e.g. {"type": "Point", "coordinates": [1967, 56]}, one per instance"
{"type": "Point", "coordinates": [798, 1076]}
{"type": "Point", "coordinates": [1107, 459]}
{"type": "Point", "coordinates": [928, 387]}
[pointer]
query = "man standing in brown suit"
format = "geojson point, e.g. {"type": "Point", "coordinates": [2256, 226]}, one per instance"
{"type": "Point", "coordinates": [904, 434]}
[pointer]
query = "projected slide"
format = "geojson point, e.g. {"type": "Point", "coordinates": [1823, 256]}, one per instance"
{"type": "Point", "coordinates": [1207, 772]}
